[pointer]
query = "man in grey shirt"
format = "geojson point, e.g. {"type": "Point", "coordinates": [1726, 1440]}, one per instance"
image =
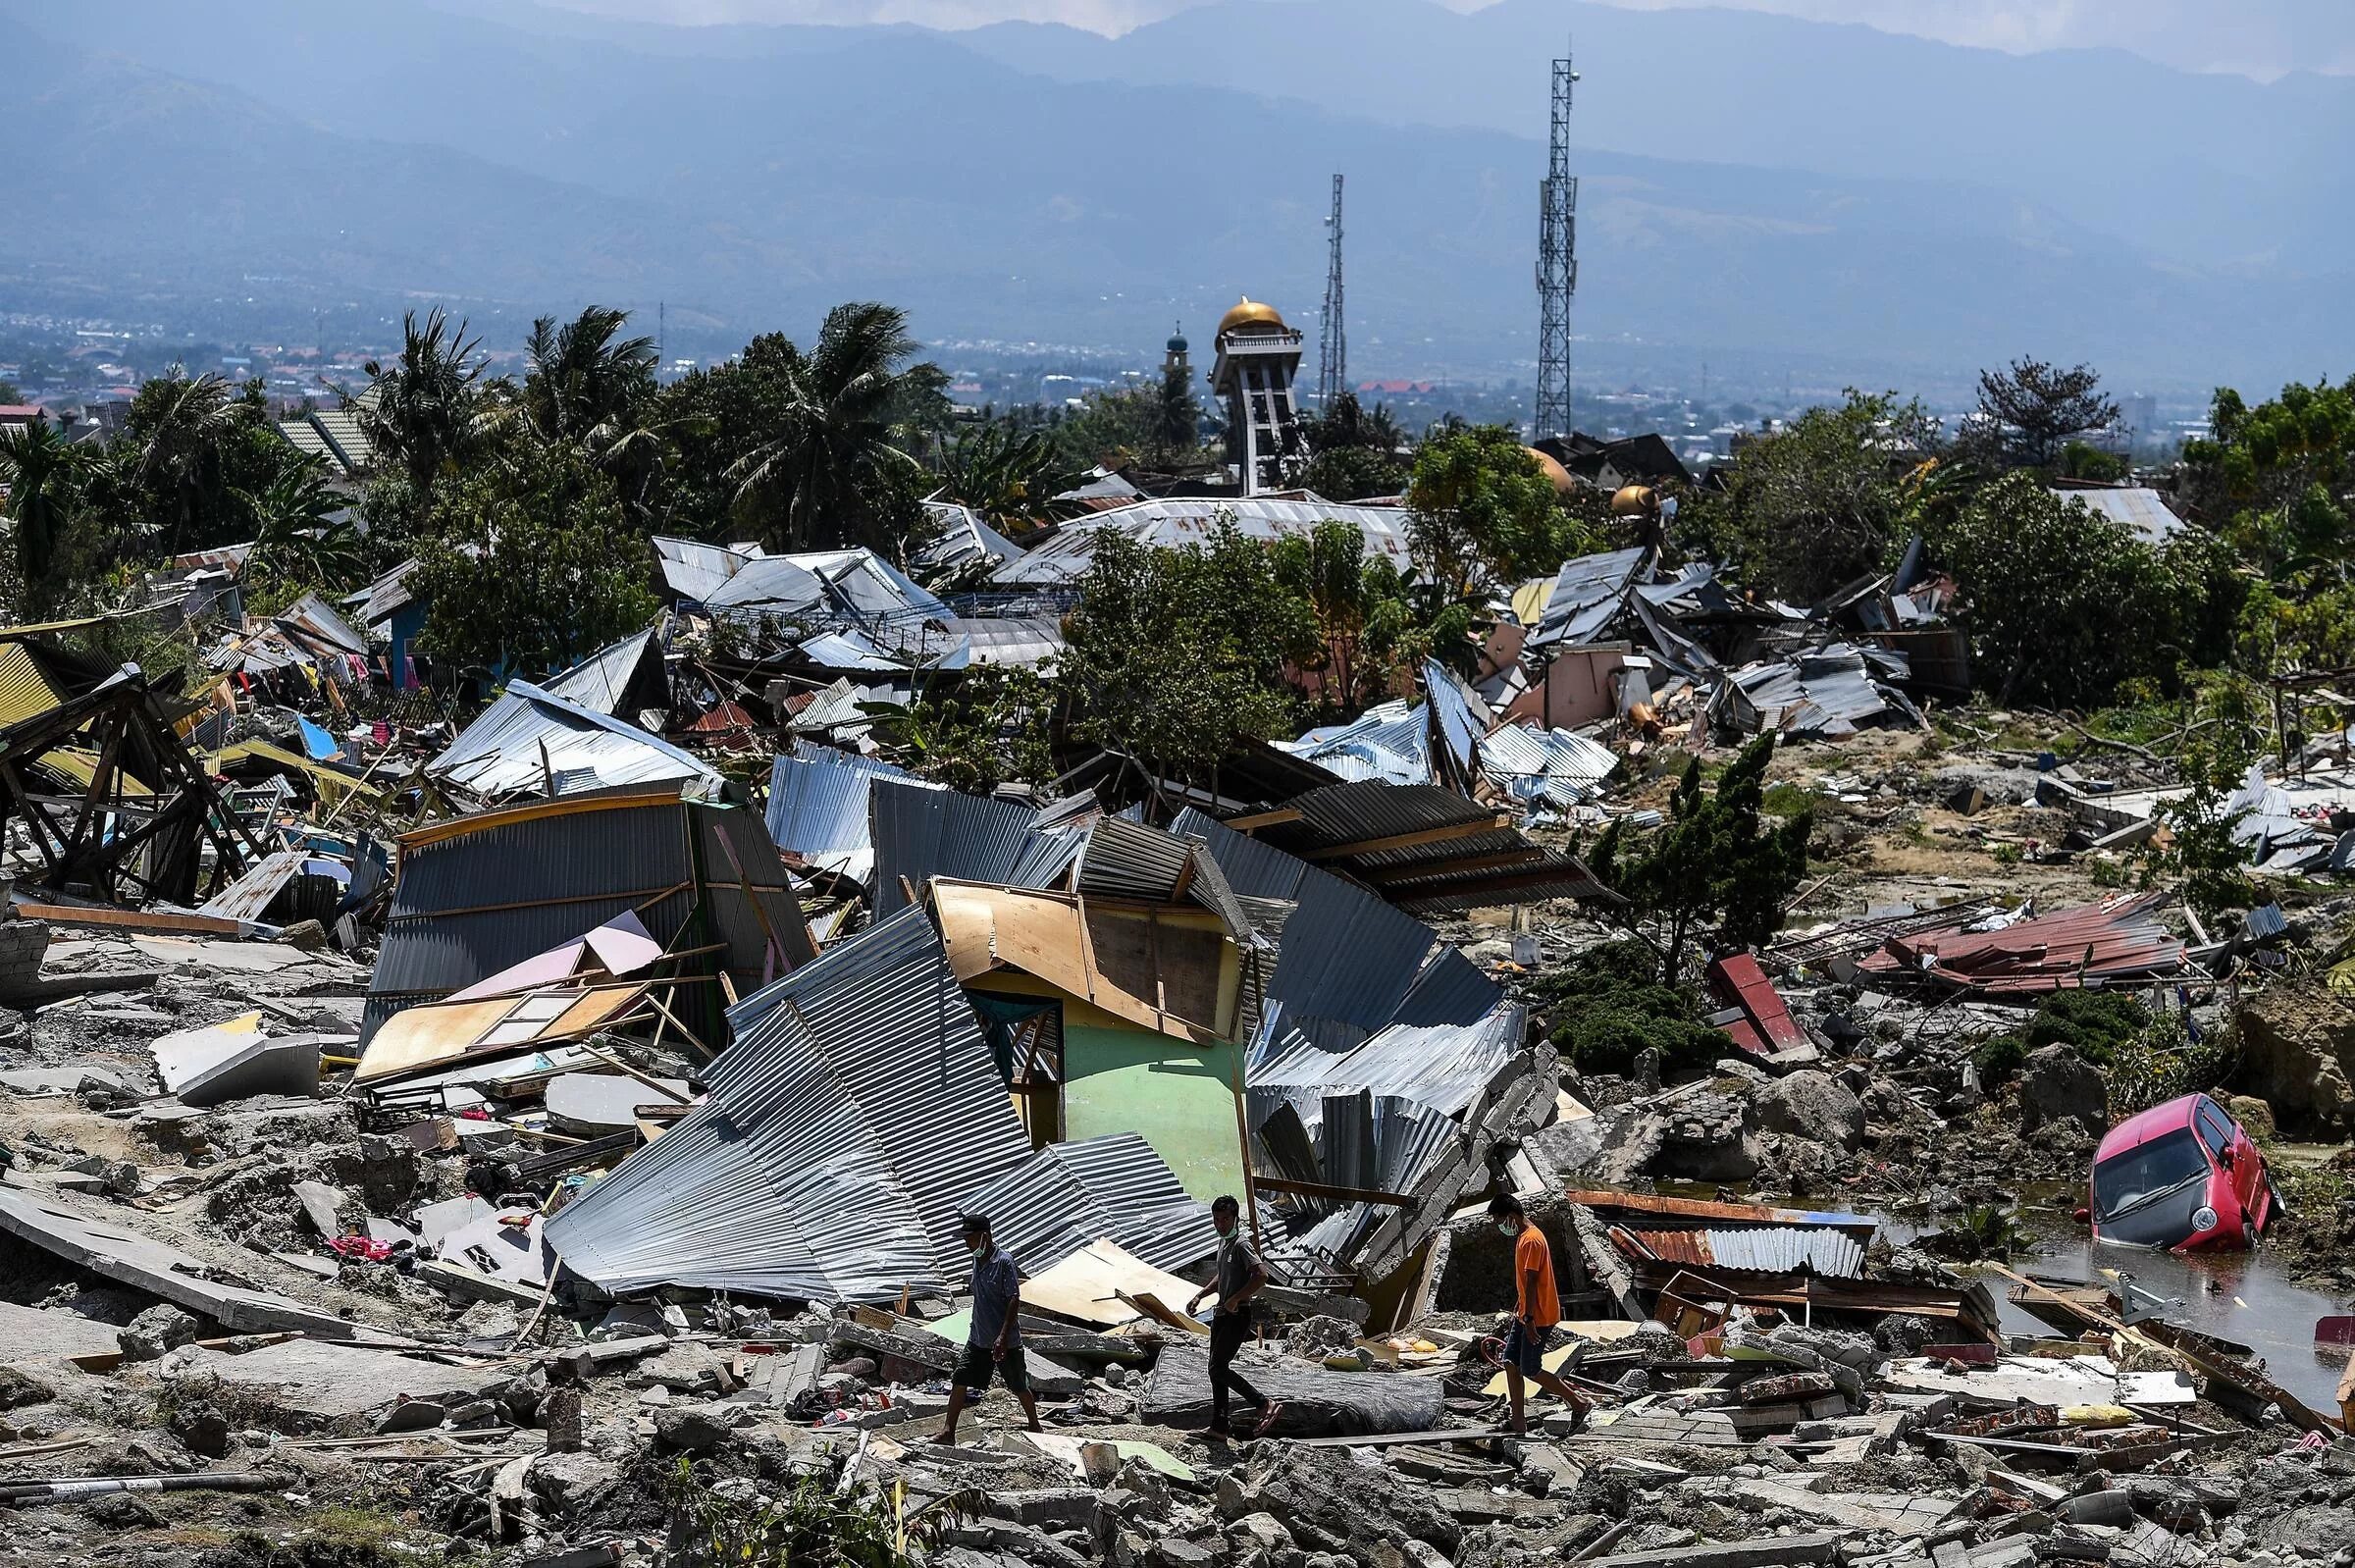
{"type": "Point", "coordinates": [1238, 1279]}
{"type": "Point", "coordinates": [994, 1342]}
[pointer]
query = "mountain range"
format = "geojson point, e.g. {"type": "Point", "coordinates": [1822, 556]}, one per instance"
{"type": "Point", "coordinates": [1754, 189]}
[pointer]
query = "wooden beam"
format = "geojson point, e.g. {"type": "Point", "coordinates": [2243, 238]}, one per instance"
{"type": "Point", "coordinates": [1260, 819]}
{"type": "Point", "coordinates": [1408, 840]}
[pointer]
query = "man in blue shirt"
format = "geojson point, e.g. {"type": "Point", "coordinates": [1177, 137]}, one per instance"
{"type": "Point", "coordinates": [995, 1339]}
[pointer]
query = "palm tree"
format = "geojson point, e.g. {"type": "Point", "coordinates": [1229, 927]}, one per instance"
{"type": "Point", "coordinates": [302, 529]}
{"type": "Point", "coordinates": [1010, 476]}
{"type": "Point", "coordinates": [852, 395]}
{"type": "Point", "coordinates": [586, 379]}
{"type": "Point", "coordinates": [39, 467]}
{"type": "Point", "coordinates": [426, 411]}
{"type": "Point", "coordinates": [178, 422]}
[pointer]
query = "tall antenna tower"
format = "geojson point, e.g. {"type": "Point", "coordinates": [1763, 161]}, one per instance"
{"type": "Point", "coordinates": [1557, 265]}
{"type": "Point", "coordinates": [1332, 356]}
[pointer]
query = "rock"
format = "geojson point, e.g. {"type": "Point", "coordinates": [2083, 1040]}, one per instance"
{"type": "Point", "coordinates": [19, 1387]}
{"type": "Point", "coordinates": [573, 1482]}
{"type": "Point", "coordinates": [691, 1429]}
{"type": "Point", "coordinates": [2251, 1112]}
{"type": "Point", "coordinates": [155, 1332]}
{"type": "Point", "coordinates": [119, 1511]}
{"type": "Point", "coordinates": [2298, 1053]}
{"type": "Point", "coordinates": [1814, 1106]}
{"type": "Point", "coordinates": [307, 936]}
{"type": "Point", "coordinates": [413, 1415]}
{"type": "Point", "coordinates": [2056, 1085]}
{"type": "Point", "coordinates": [203, 1429]}
{"type": "Point", "coordinates": [323, 1206]}
{"type": "Point", "coordinates": [1178, 1552]}
{"type": "Point", "coordinates": [1261, 1530]}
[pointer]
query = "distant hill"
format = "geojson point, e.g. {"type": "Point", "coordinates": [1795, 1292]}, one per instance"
{"type": "Point", "coordinates": [757, 175]}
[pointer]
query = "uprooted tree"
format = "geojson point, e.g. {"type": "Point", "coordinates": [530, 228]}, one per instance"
{"type": "Point", "coordinates": [1716, 867]}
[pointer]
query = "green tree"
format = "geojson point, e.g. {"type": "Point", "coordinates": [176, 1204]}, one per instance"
{"type": "Point", "coordinates": [2033, 407]}
{"type": "Point", "coordinates": [586, 379]}
{"type": "Point", "coordinates": [530, 565]}
{"type": "Point", "coordinates": [1823, 501]}
{"type": "Point", "coordinates": [2279, 479]}
{"type": "Point", "coordinates": [427, 409]}
{"type": "Point", "coordinates": [303, 534]}
{"type": "Point", "coordinates": [180, 426]}
{"type": "Point", "coordinates": [39, 468]}
{"type": "Point", "coordinates": [1010, 475]}
{"type": "Point", "coordinates": [1118, 427]}
{"type": "Point", "coordinates": [1716, 866]}
{"type": "Point", "coordinates": [2063, 604]}
{"type": "Point", "coordinates": [1177, 420]}
{"type": "Point", "coordinates": [1175, 655]}
{"type": "Point", "coordinates": [1354, 454]}
{"type": "Point", "coordinates": [1481, 512]}
{"type": "Point", "coordinates": [855, 403]}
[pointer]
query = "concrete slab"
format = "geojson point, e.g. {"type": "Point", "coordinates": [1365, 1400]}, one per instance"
{"type": "Point", "coordinates": [84, 1237]}
{"type": "Point", "coordinates": [325, 1383]}
{"type": "Point", "coordinates": [592, 1105]}
{"type": "Point", "coordinates": [57, 1080]}
{"type": "Point", "coordinates": [51, 1333]}
{"type": "Point", "coordinates": [237, 1061]}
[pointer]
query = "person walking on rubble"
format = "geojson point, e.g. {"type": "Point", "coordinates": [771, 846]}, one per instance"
{"type": "Point", "coordinates": [1537, 1309]}
{"type": "Point", "coordinates": [995, 1339]}
{"type": "Point", "coordinates": [1238, 1279]}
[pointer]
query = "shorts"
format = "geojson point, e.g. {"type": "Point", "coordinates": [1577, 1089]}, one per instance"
{"type": "Point", "coordinates": [974, 1372]}
{"type": "Point", "coordinates": [1525, 1349]}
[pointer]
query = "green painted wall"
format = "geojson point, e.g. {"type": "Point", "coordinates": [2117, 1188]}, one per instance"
{"type": "Point", "coordinates": [1179, 1097]}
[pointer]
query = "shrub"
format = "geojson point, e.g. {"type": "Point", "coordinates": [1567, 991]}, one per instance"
{"type": "Point", "coordinates": [1606, 1010]}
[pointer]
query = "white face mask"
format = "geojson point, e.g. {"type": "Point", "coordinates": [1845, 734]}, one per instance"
{"type": "Point", "coordinates": [1506, 1228]}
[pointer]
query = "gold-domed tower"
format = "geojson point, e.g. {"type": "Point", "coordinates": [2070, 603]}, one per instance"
{"type": "Point", "coordinates": [1258, 356]}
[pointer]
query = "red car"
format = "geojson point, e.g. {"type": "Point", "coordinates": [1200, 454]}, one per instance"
{"type": "Point", "coordinates": [2180, 1175]}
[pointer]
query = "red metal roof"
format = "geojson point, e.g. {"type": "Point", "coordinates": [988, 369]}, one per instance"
{"type": "Point", "coordinates": [1766, 1023]}
{"type": "Point", "coordinates": [2116, 938]}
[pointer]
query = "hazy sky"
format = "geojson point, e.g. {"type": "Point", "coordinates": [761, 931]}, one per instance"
{"type": "Point", "coordinates": [2255, 38]}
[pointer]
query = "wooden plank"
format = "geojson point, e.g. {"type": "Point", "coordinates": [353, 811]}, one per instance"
{"type": "Point", "coordinates": [1259, 820]}
{"type": "Point", "coordinates": [133, 919]}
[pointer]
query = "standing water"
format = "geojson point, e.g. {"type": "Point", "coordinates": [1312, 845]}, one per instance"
{"type": "Point", "coordinates": [2241, 1297]}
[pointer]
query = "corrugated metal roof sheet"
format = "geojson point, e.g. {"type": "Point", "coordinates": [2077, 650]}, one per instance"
{"type": "Point", "coordinates": [602, 682]}
{"type": "Point", "coordinates": [1069, 1195]}
{"type": "Point", "coordinates": [475, 895]}
{"type": "Point", "coordinates": [1442, 1065]}
{"type": "Point", "coordinates": [1776, 1249]}
{"type": "Point", "coordinates": [1172, 522]}
{"type": "Point", "coordinates": [24, 687]}
{"type": "Point", "coordinates": [1588, 592]}
{"type": "Point", "coordinates": [529, 733]}
{"type": "Point", "coordinates": [1347, 962]}
{"type": "Point", "coordinates": [842, 1135]}
{"type": "Point", "coordinates": [2116, 938]}
{"type": "Point", "coordinates": [2139, 509]}
{"type": "Point", "coordinates": [922, 833]}
{"type": "Point", "coordinates": [818, 799]}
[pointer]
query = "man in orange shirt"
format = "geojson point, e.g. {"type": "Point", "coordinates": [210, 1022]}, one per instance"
{"type": "Point", "coordinates": [1538, 1308]}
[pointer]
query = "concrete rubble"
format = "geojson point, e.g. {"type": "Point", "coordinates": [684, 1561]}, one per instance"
{"type": "Point", "coordinates": [538, 1147]}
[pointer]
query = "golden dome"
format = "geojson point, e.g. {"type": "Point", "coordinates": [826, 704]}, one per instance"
{"type": "Point", "coordinates": [1563, 484]}
{"type": "Point", "coordinates": [1249, 312]}
{"type": "Point", "coordinates": [1632, 500]}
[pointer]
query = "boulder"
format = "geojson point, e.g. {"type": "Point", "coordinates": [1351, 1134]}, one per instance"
{"type": "Point", "coordinates": [19, 1387]}
{"type": "Point", "coordinates": [2251, 1112]}
{"type": "Point", "coordinates": [691, 1429]}
{"type": "Point", "coordinates": [153, 1333]}
{"type": "Point", "coordinates": [2298, 1053]}
{"type": "Point", "coordinates": [2056, 1085]}
{"type": "Point", "coordinates": [1813, 1106]}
